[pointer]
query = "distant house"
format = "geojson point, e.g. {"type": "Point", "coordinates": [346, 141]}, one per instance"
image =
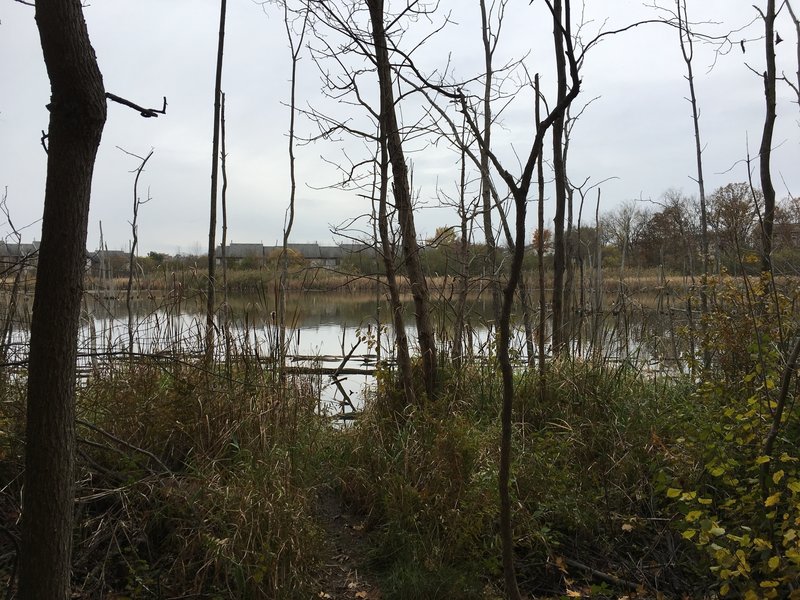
{"type": "Point", "coordinates": [13, 255]}
{"type": "Point", "coordinates": [107, 264]}
{"type": "Point", "coordinates": [237, 252]}
{"type": "Point", "coordinates": [315, 254]}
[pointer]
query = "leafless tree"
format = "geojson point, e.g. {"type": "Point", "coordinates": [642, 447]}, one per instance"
{"type": "Point", "coordinates": [373, 45]}
{"type": "Point", "coordinates": [295, 39]}
{"type": "Point", "coordinates": [765, 151]}
{"type": "Point", "coordinates": [212, 227]}
{"type": "Point", "coordinates": [402, 198]}
{"type": "Point", "coordinates": [519, 187]}
{"type": "Point", "coordinates": [137, 202]}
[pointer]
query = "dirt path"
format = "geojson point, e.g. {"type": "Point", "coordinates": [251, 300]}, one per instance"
{"type": "Point", "coordinates": [343, 573]}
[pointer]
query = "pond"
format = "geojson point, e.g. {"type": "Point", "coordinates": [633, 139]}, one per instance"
{"type": "Point", "coordinates": [323, 328]}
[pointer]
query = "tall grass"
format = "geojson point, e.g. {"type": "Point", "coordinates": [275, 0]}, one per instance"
{"type": "Point", "coordinates": [190, 482]}
{"type": "Point", "coordinates": [585, 460]}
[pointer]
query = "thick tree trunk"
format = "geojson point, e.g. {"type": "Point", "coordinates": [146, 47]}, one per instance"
{"type": "Point", "coordinates": [77, 116]}
{"type": "Point", "coordinates": [395, 302]}
{"type": "Point", "coordinates": [402, 198]}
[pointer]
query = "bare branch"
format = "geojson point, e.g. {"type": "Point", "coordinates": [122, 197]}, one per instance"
{"type": "Point", "coordinates": [145, 112]}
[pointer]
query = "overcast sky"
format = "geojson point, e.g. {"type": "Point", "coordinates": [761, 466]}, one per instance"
{"type": "Point", "coordinates": [638, 130]}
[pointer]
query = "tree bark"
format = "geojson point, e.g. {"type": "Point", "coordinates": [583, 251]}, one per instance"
{"type": "Point", "coordinates": [77, 116]}
{"type": "Point", "coordinates": [687, 50]}
{"type": "Point", "coordinates": [560, 182]}
{"type": "Point", "coordinates": [486, 192]}
{"type": "Point", "coordinates": [395, 302]}
{"type": "Point", "coordinates": [402, 198]}
{"type": "Point", "coordinates": [212, 221]}
{"type": "Point", "coordinates": [766, 139]}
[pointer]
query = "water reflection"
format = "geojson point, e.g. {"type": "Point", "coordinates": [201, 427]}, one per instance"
{"type": "Point", "coordinates": [322, 328]}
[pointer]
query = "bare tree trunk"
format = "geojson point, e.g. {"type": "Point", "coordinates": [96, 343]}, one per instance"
{"type": "Point", "coordinates": [77, 116]}
{"type": "Point", "coordinates": [519, 189]}
{"type": "Point", "coordinates": [486, 196]}
{"type": "Point", "coordinates": [223, 158]}
{"type": "Point", "coordinates": [134, 245]}
{"type": "Point", "coordinates": [295, 46]}
{"type": "Point", "coordinates": [223, 163]}
{"type": "Point", "coordinates": [540, 250]}
{"type": "Point", "coordinates": [597, 304]}
{"type": "Point", "coordinates": [765, 151]}
{"type": "Point", "coordinates": [463, 256]}
{"type": "Point", "coordinates": [687, 49]}
{"type": "Point", "coordinates": [396, 304]}
{"type": "Point", "coordinates": [212, 221]}
{"type": "Point", "coordinates": [560, 182]}
{"type": "Point", "coordinates": [402, 197]}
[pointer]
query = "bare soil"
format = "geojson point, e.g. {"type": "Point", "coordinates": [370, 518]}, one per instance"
{"type": "Point", "coordinates": [344, 575]}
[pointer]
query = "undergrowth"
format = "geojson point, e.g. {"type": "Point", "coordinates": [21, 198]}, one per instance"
{"type": "Point", "coordinates": [189, 482]}
{"type": "Point", "coordinates": [586, 453]}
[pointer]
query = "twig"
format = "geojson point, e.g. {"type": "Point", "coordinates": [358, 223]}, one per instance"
{"type": "Point", "coordinates": [607, 577]}
{"type": "Point", "coordinates": [145, 112]}
{"type": "Point", "coordinates": [13, 575]}
{"type": "Point", "coordinates": [124, 443]}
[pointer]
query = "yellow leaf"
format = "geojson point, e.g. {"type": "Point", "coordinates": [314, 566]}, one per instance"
{"type": "Point", "coordinates": [762, 544]}
{"type": "Point", "coordinates": [772, 500]}
{"type": "Point", "coordinates": [762, 459]}
{"type": "Point", "coordinates": [750, 595]}
{"type": "Point", "coordinates": [723, 591]}
{"type": "Point", "coordinates": [794, 486]}
{"type": "Point", "coordinates": [673, 493]}
{"type": "Point", "coordinates": [777, 476]}
{"type": "Point", "coordinates": [774, 562]}
{"type": "Point", "coordinates": [769, 584]}
{"type": "Point", "coordinates": [705, 500]}
{"type": "Point", "coordinates": [689, 533]}
{"type": "Point", "coordinates": [716, 531]}
{"type": "Point", "coordinates": [693, 515]}
{"type": "Point", "coordinates": [573, 594]}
